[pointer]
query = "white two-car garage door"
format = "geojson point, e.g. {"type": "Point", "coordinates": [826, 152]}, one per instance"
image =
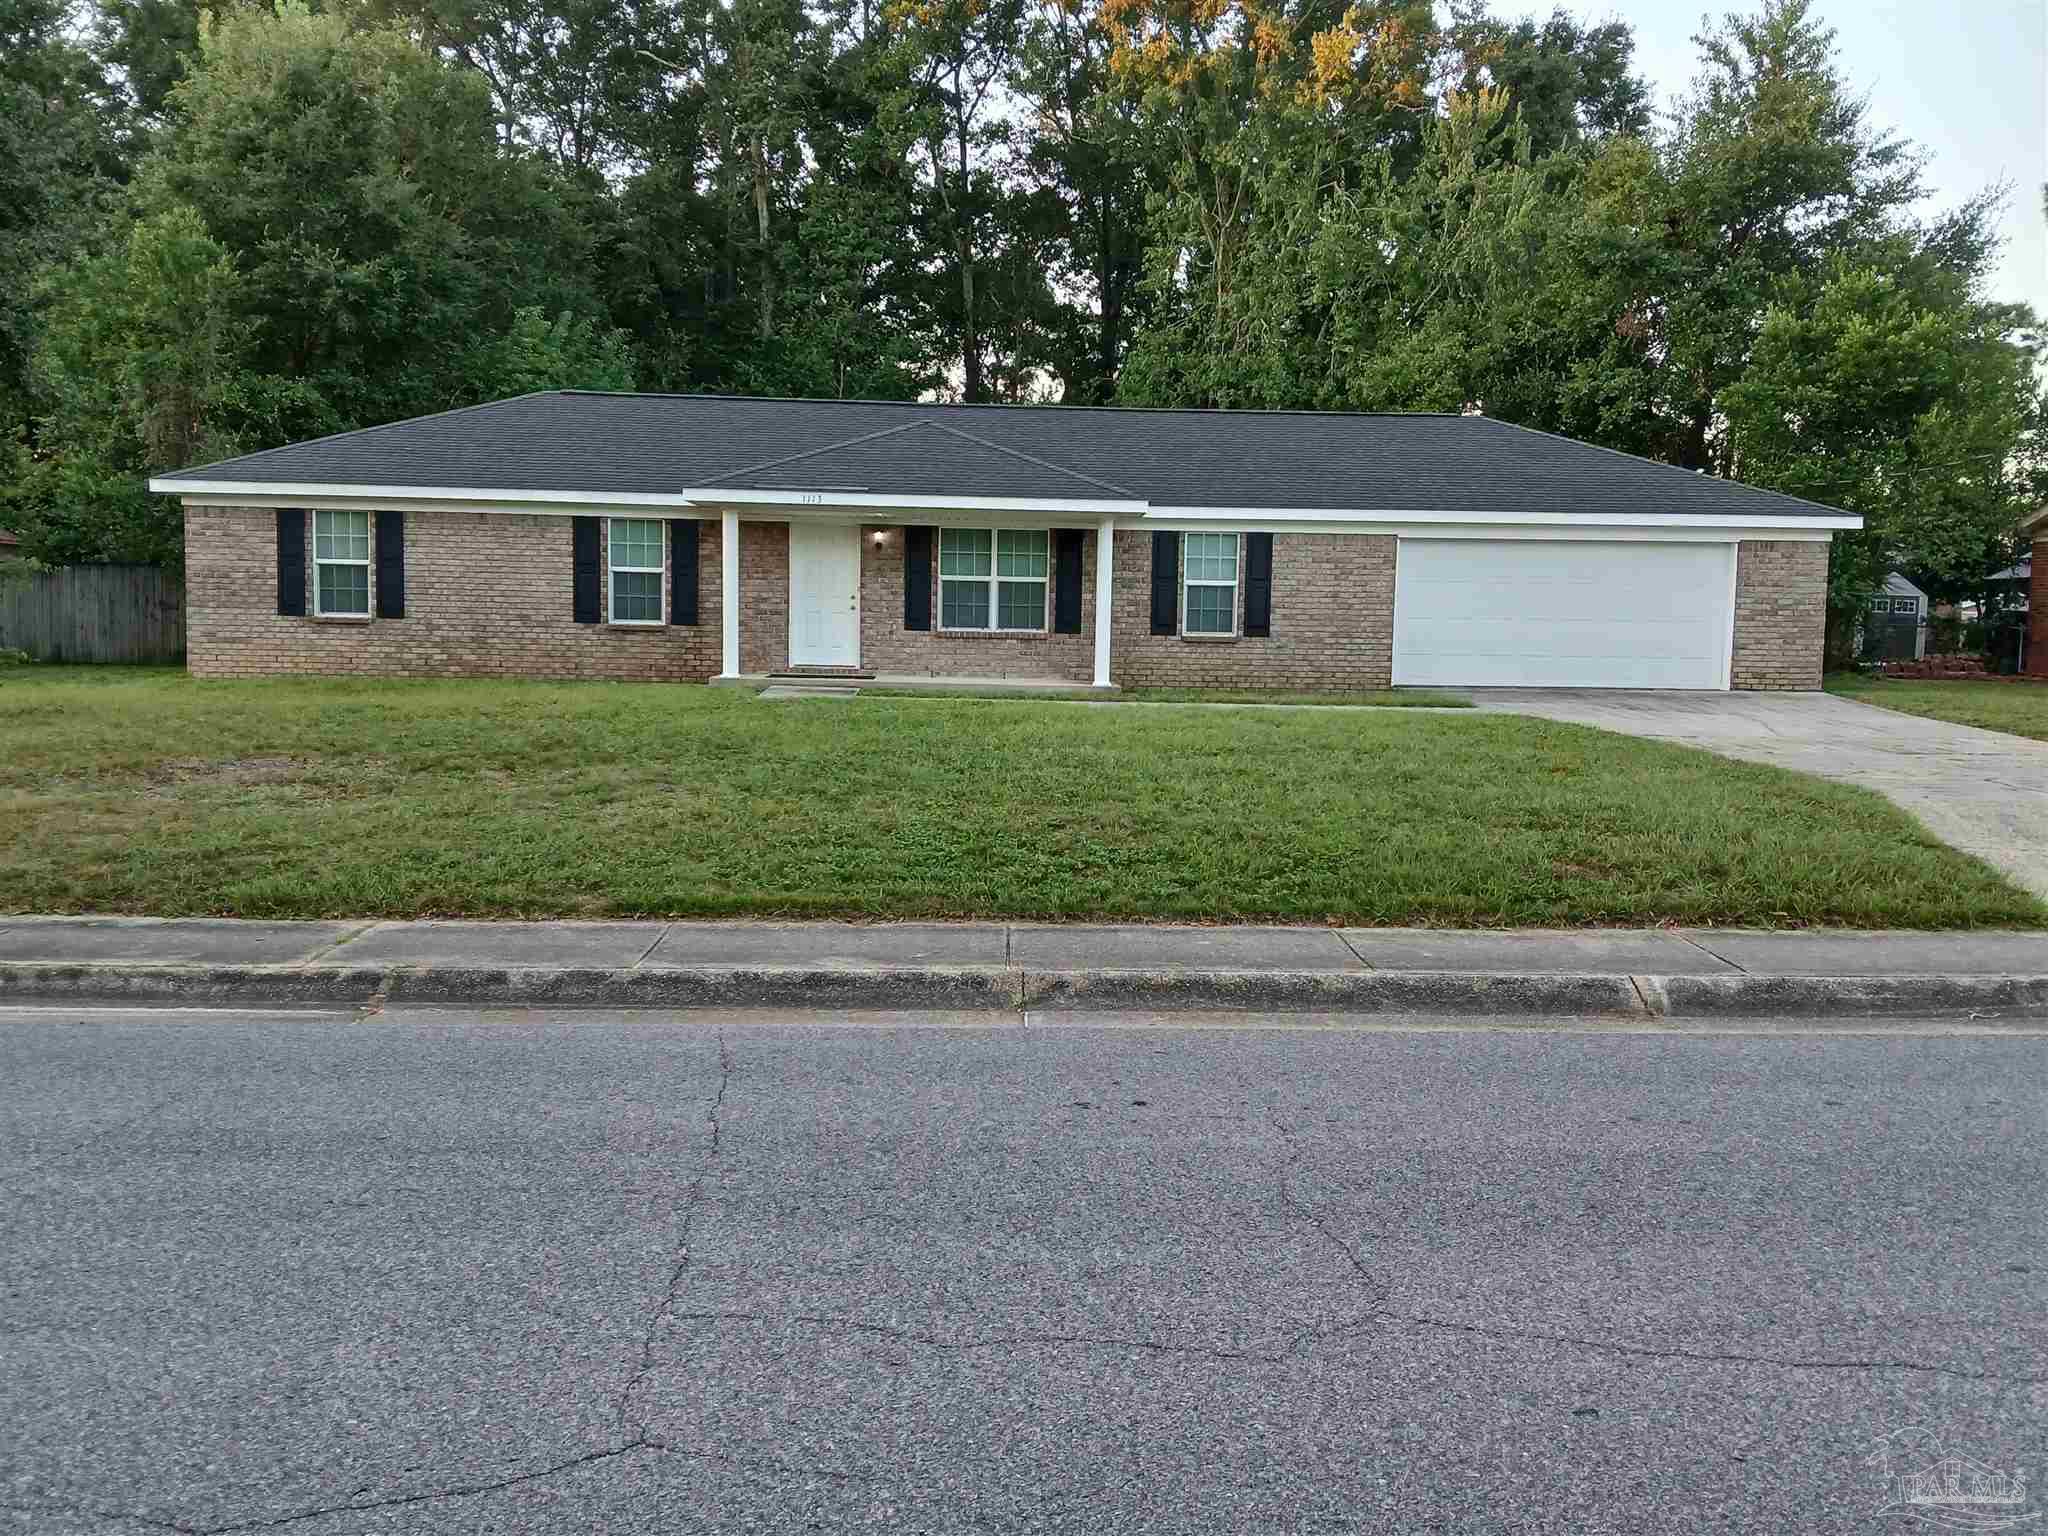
{"type": "Point", "coordinates": [1534, 613]}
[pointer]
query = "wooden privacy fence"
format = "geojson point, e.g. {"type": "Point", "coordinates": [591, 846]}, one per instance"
{"type": "Point", "coordinates": [94, 613]}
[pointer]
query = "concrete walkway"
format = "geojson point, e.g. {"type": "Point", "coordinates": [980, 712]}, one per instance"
{"type": "Point", "coordinates": [1984, 792]}
{"type": "Point", "coordinates": [1656, 972]}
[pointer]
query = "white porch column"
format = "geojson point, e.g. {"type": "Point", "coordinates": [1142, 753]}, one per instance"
{"type": "Point", "coordinates": [729, 591]}
{"type": "Point", "coordinates": [1105, 556]}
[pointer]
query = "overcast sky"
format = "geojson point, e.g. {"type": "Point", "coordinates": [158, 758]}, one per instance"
{"type": "Point", "coordinates": [1966, 80]}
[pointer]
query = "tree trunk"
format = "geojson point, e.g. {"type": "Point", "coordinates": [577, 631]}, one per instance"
{"type": "Point", "coordinates": [975, 390]}
{"type": "Point", "coordinates": [1109, 326]}
{"type": "Point", "coordinates": [759, 152]}
{"type": "Point", "coordinates": [974, 386]}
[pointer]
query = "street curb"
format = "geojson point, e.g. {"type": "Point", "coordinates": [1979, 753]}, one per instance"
{"type": "Point", "coordinates": [1708, 997]}
{"type": "Point", "coordinates": [1481, 995]}
{"type": "Point", "coordinates": [1014, 988]}
{"type": "Point", "coordinates": [905, 989]}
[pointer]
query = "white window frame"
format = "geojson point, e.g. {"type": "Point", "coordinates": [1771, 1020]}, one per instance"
{"type": "Point", "coordinates": [1236, 587]}
{"type": "Point", "coordinates": [320, 609]}
{"type": "Point", "coordinates": [612, 568]}
{"type": "Point", "coordinates": [993, 582]}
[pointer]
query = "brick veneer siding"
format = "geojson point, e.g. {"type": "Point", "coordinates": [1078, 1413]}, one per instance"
{"type": "Point", "coordinates": [886, 646]}
{"type": "Point", "coordinates": [764, 599]}
{"type": "Point", "coordinates": [1781, 613]}
{"type": "Point", "coordinates": [2037, 613]}
{"type": "Point", "coordinates": [487, 594]}
{"type": "Point", "coordinates": [1333, 621]}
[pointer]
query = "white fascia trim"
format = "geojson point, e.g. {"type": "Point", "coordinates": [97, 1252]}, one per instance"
{"type": "Point", "coordinates": [866, 501]}
{"type": "Point", "coordinates": [1636, 533]}
{"type": "Point", "coordinates": [276, 493]}
{"type": "Point", "coordinates": [1256, 517]}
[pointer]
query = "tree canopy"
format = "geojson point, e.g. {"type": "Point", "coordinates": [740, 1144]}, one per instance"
{"type": "Point", "coordinates": [225, 229]}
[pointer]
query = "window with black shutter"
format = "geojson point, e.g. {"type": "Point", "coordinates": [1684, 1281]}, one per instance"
{"type": "Point", "coordinates": [583, 546]}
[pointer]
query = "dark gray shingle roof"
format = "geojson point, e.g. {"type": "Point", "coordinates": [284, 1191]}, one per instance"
{"type": "Point", "coordinates": [1266, 460]}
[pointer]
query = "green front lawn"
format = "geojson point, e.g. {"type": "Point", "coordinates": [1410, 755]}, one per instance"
{"type": "Point", "coordinates": [133, 791]}
{"type": "Point", "coordinates": [2020, 708]}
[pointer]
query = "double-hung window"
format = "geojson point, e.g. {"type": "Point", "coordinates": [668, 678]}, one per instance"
{"type": "Point", "coordinates": [1209, 578]}
{"type": "Point", "coordinates": [993, 578]}
{"type": "Point", "coordinates": [341, 564]}
{"type": "Point", "coordinates": [634, 545]}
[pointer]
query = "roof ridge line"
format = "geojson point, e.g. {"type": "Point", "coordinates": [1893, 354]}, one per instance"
{"type": "Point", "coordinates": [808, 453]}
{"type": "Point", "coordinates": [1048, 406]}
{"type": "Point", "coordinates": [1030, 458]}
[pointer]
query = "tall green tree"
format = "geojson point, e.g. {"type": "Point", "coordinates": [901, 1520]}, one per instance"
{"type": "Point", "coordinates": [62, 156]}
{"type": "Point", "coordinates": [1893, 390]}
{"type": "Point", "coordinates": [142, 368]}
{"type": "Point", "coordinates": [328, 234]}
{"type": "Point", "coordinates": [1082, 147]}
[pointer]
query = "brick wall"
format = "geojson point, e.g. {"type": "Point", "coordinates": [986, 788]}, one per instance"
{"type": "Point", "coordinates": [1781, 610]}
{"type": "Point", "coordinates": [2037, 613]}
{"type": "Point", "coordinates": [487, 594]}
{"type": "Point", "coordinates": [1333, 621]}
{"type": "Point", "coordinates": [764, 599]}
{"type": "Point", "coordinates": [886, 646]}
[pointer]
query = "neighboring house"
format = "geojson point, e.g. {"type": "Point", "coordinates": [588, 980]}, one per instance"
{"type": "Point", "coordinates": [10, 544]}
{"type": "Point", "coordinates": [1896, 626]}
{"type": "Point", "coordinates": [570, 534]}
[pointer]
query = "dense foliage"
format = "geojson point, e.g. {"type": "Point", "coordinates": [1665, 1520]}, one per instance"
{"type": "Point", "coordinates": [225, 229]}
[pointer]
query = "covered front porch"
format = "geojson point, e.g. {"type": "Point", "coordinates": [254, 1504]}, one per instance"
{"type": "Point", "coordinates": [975, 600]}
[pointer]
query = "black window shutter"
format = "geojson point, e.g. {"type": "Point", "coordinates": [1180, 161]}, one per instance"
{"type": "Point", "coordinates": [1165, 583]}
{"type": "Point", "coordinates": [1066, 580]}
{"type": "Point", "coordinates": [291, 560]}
{"type": "Point", "coordinates": [682, 569]}
{"type": "Point", "coordinates": [1258, 584]}
{"type": "Point", "coordinates": [917, 578]}
{"type": "Point", "coordinates": [584, 543]}
{"type": "Point", "coordinates": [390, 565]}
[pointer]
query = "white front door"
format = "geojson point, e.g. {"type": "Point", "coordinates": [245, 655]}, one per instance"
{"type": "Point", "coordinates": [1534, 613]}
{"type": "Point", "coordinates": [824, 595]}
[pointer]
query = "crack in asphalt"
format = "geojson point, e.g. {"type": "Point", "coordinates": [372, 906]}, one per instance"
{"type": "Point", "coordinates": [453, 1491]}
{"type": "Point", "coordinates": [686, 1220]}
{"type": "Point", "coordinates": [1700, 1356]}
{"type": "Point", "coordinates": [1383, 1313]}
{"type": "Point", "coordinates": [974, 1345]}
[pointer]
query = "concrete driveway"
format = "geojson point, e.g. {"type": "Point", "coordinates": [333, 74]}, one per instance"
{"type": "Point", "coordinates": [1981, 791]}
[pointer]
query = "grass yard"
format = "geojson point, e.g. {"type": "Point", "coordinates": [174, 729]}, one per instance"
{"type": "Point", "coordinates": [143, 791]}
{"type": "Point", "coordinates": [1378, 698]}
{"type": "Point", "coordinates": [2020, 708]}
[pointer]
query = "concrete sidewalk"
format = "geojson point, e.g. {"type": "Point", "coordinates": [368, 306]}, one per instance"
{"type": "Point", "coordinates": [1656, 973]}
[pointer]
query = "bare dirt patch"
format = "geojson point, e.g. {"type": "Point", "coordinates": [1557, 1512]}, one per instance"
{"type": "Point", "coordinates": [232, 772]}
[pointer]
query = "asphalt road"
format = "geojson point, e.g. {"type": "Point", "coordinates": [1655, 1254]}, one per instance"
{"type": "Point", "coordinates": [521, 1273]}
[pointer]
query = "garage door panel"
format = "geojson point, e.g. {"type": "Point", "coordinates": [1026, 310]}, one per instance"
{"type": "Point", "coordinates": [1562, 614]}
{"type": "Point", "coordinates": [1612, 596]}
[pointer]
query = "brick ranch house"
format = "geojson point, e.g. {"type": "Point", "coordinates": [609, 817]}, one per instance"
{"type": "Point", "coordinates": [696, 537]}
